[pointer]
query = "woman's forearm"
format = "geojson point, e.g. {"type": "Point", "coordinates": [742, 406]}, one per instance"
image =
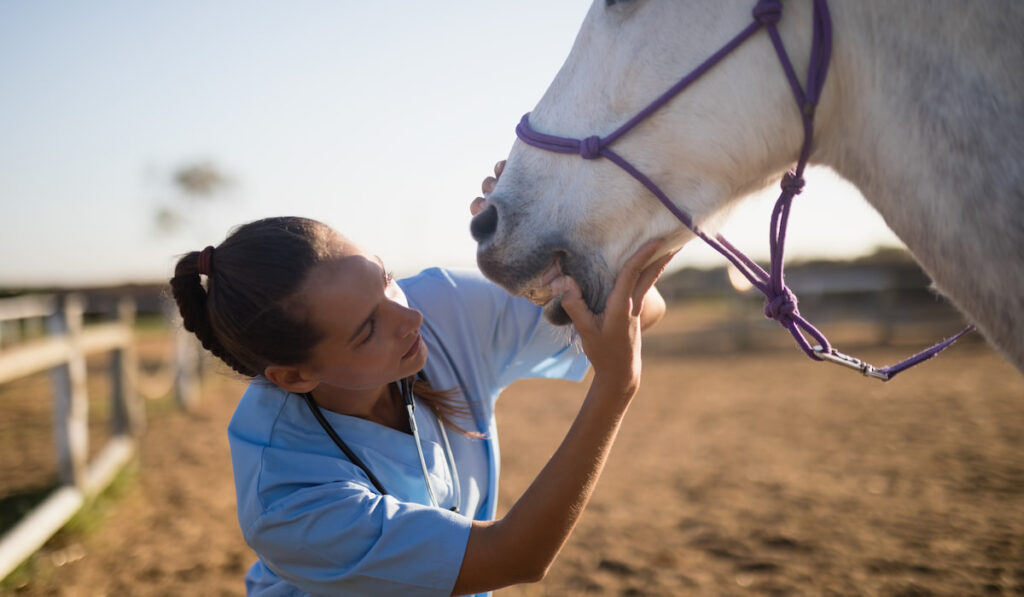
{"type": "Point", "coordinates": [521, 546]}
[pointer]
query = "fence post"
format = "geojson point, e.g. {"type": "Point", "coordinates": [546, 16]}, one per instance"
{"type": "Point", "coordinates": [186, 360]}
{"type": "Point", "coordinates": [186, 374]}
{"type": "Point", "coordinates": [70, 398]}
{"type": "Point", "coordinates": [128, 415]}
{"type": "Point", "coordinates": [33, 327]}
{"type": "Point", "coordinates": [9, 332]}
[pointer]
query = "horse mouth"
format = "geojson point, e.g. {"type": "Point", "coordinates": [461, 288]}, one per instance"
{"type": "Point", "coordinates": [538, 290]}
{"type": "Point", "coordinates": [530, 275]}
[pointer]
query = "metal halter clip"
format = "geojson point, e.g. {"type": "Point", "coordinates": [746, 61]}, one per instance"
{"type": "Point", "coordinates": [834, 356]}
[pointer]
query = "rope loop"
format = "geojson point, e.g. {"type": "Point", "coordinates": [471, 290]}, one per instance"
{"type": "Point", "coordinates": [768, 12]}
{"type": "Point", "coordinates": [590, 148]}
{"type": "Point", "coordinates": [781, 307]}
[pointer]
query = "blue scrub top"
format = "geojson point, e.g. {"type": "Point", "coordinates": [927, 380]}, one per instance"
{"type": "Point", "coordinates": [314, 519]}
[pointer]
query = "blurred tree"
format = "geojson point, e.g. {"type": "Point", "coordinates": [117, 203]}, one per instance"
{"type": "Point", "coordinates": [195, 182]}
{"type": "Point", "coordinates": [201, 180]}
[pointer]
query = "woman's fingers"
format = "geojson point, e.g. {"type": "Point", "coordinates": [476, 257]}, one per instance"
{"type": "Point", "coordinates": [630, 274]}
{"type": "Point", "coordinates": [572, 301]}
{"type": "Point", "coordinates": [477, 205]}
{"type": "Point", "coordinates": [491, 181]}
{"type": "Point", "coordinates": [487, 187]}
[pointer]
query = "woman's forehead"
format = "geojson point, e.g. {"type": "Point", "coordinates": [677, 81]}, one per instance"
{"type": "Point", "coordinates": [348, 268]}
{"type": "Point", "coordinates": [344, 287]}
{"type": "Point", "coordinates": [339, 246]}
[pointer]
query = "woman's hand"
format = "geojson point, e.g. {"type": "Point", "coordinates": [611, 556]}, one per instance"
{"type": "Point", "coordinates": [611, 339]}
{"type": "Point", "coordinates": [486, 188]}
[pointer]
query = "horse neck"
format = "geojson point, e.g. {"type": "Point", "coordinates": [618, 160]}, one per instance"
{"type": "Point", "coordinates": [913, 113]}
{"type": "Point", "coordinates": [921, 111]}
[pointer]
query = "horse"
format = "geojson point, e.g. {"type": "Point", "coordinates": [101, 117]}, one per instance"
{"type": "Point", "coordinates": [922, 110]}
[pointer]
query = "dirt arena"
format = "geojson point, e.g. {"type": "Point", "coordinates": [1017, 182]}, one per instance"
{"type": "Point", "coordinates": [736, 473]}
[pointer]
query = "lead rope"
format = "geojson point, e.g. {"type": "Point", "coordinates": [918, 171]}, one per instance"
{"type": "Point", "coordinates": [780, 302]}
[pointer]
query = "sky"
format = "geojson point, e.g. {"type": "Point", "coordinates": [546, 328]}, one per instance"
{"type": "Point", "coordinates": [379, 118]}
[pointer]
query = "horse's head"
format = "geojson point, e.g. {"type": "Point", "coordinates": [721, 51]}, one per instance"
{"type": "Point", "coordinates": [722, 137]}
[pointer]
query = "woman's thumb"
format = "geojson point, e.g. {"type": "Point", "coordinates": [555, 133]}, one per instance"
{"type": "Point", "coordinates": [572, 299]}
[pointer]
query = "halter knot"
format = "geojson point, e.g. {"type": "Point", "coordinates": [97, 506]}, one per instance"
{"type": "Point", "coordinates": [792, 183]}
{"type": "Point", "coordinates": [590, 148]}
{"type": "Point", "coordinates": [768, 12]}
{"type": "Point", "coordinates": [781, 307]}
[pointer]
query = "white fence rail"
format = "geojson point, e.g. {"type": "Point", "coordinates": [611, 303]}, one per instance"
{"type": "Point", "coordinates": [62, 352]}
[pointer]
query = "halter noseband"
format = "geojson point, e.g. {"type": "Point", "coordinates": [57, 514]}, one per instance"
{"type": "Point", "coordinates": [780, 302]}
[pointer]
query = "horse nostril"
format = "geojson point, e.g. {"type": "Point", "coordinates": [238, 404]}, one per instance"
{"type": "Point", "coordinates": [484, 224]}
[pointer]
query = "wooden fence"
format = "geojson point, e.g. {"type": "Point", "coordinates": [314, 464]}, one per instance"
{"type": "Point", "coordinates": [62, 350]}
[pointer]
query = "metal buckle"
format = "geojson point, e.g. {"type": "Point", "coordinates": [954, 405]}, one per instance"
{"type": "Point", "coordinates": [834, 356]}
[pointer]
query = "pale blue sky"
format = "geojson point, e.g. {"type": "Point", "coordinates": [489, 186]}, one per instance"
{"type": "Point", "coordinates": [379, 118]}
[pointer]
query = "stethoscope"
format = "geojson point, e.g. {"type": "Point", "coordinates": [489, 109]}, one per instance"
{"type": "Point", "coordinates": [405, 387]}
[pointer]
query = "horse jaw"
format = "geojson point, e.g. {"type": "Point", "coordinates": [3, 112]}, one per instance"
{"type": "Point", "coordinates": [592, 214]}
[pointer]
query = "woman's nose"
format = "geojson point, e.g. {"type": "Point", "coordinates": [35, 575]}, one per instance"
{"type": "Point", "coordinates": [410, 321]}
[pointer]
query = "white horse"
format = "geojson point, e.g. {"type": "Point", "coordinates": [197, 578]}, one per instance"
{"type": "Point", "coordinates": [922, 109]}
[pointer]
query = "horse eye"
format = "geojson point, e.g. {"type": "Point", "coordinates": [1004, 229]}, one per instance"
{"type": "Point", "coordinates": [610, 3]}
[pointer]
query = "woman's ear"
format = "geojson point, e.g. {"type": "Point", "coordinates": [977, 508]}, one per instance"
{"type": "Point", "coordinates": [291, 378]}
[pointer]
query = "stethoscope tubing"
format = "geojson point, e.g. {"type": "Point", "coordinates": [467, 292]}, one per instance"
{"type": "Point", "coordinates": [405, 387]}
{"type": "Point", "coordinates": [341, 443]}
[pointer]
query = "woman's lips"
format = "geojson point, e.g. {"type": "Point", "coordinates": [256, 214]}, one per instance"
{"type": "Point", "coordinates": [415, 348]}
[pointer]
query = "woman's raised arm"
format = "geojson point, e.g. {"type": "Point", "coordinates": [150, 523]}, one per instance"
{"type": "Point", "coordinates": [521, 546]}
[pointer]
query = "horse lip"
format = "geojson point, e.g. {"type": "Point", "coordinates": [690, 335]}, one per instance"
{"type": "Point", "coordinates": [538, 290]}
{"type": "Point", "coordinates": [529, 272]}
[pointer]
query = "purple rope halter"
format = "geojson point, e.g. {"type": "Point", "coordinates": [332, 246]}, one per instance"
{"type": "Point", "coordinates": [780, 302]}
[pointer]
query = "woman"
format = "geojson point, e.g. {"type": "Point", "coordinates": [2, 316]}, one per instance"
{"type": "Point", "coordinates": [364, 450]}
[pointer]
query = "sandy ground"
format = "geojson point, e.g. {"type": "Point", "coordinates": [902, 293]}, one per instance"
{"type": "Point", "coordinates": [735, 473]}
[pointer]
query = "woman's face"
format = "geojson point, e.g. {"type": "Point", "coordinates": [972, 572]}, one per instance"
{"type": "Point", "coordinates": [371, 337]}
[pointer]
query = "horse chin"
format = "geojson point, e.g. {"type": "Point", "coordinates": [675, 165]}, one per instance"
{"type": "Point", "coordinates": [555, 314]}
{"type": "Point", "coordinates": [529, 276]}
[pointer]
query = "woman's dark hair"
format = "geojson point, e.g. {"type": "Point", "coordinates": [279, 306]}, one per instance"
{"type": "Point", "coordinates": [249, 314]}
{"type": "Point", "coordinates": [246, 315]}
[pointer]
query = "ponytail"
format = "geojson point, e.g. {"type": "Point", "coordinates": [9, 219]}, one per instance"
{"type": "Point", "coordinates": [244, 314]}
{"type": "Point", "coordinates": [192, 298]}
